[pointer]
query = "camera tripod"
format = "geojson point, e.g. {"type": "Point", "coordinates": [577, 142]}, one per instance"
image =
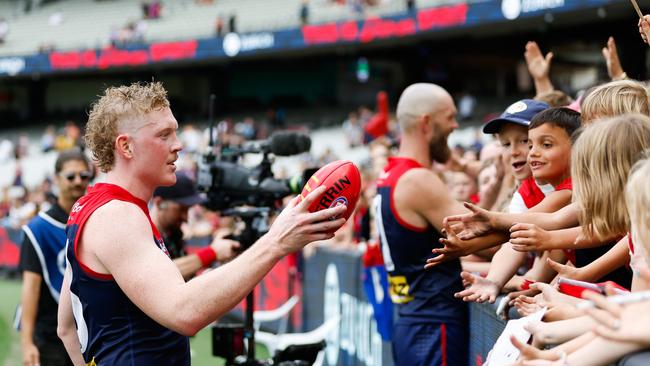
{"type": "Point", "coordinates": [288, 349]}
{"type": "Point", "coordinates": [255, 225]}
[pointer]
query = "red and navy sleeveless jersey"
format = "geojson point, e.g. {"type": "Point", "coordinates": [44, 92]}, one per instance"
{"type": "Point", "coordinates": [112, 330]}
{"type": "Point", "coordinates": [421, 295]}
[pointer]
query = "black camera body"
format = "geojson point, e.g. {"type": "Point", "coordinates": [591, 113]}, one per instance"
{"type": "Point", "coordinates": [251, 194]}
{"type": "Point", "coordinates": [228, 184]}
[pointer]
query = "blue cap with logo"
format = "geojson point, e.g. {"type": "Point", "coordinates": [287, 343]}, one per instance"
{"type": "Point", "coordinates": [520, 112]}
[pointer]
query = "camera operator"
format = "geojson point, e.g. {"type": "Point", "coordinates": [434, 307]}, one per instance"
{"type": "Point", "coordinates": [169, 212]}
{"type": "Point", "coordinates": [130, 303]}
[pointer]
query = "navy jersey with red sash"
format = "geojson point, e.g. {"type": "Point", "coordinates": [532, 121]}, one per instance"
{"type": "Point", "coordinates": [432, 325]}
{"type": "Point", "coordinates": [111, 329]}
{"type": "Point", "coordinates": [422, 295]}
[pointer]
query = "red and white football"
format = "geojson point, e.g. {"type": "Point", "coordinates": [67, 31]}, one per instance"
{"type": "Point", "coordinates": [343, 183]}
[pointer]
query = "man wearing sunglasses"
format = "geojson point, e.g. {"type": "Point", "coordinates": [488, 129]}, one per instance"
{"type": "Point", "coordinates": [42, 260]}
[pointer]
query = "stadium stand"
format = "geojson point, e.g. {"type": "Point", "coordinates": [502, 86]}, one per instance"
{"type": "Point", "coordinates": [80, 24]}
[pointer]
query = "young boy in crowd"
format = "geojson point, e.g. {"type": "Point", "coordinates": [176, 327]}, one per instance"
{"type": "Point", "coordinates": [548, 145]}
{"type": "Point", "coordinates": [629, 135]}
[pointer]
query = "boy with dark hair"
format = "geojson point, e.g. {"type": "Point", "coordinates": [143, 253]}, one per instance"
{"type": "Point", "coordinates": [549, 142]}
{"type": "Point", "coordinates": [562, 117]}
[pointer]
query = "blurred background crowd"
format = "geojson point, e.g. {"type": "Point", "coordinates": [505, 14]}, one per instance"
{"type": "Point", "coordinates": [331, 69]}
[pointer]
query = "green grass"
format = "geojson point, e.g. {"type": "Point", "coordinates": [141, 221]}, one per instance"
{"type": "Point", "coordinates": [9, 338]}
{"type": "Point", "coordinates": [10, 341]}
{"type": "Point", "coordinates": [202, 350]}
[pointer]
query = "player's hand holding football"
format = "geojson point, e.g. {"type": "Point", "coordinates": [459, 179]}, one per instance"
{"type": "Point", "coordinates": [296, 227]}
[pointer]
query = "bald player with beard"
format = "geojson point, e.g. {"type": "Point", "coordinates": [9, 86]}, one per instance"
{"type": "Point", "coordinates": [411, 203]}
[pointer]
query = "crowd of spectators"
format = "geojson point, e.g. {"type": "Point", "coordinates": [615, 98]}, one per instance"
{"type": "Point", "coordinates": [594, 230]}
{"type": "Point", "coordinates": [134, 31]}
{"type": "Point", "coordinates": [20, 200]}
{"type": "Point", "coordinates": [602, 206]}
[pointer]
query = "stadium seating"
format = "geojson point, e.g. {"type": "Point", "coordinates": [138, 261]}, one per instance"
{"type": "Point", "coordinates": [88, 24]}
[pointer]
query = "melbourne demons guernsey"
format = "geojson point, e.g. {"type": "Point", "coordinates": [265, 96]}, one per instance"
{"type": "Point", "coordinates": [421, 295]}
{"type": "Point", "coordinates": [111, 329]}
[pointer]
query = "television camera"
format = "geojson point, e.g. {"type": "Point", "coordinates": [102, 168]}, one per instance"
{"type": "Point", "coordinates": [251, 194]}
{"type": "Point", "coordinates": [229, 184]}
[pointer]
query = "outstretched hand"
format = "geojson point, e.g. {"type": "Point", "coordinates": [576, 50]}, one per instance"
{"type": "Point", "coordinates": [527, 305]}
{"type": "Point", "coordinates": [475, 223]}
{"type": "Point", "coordinates": [528, 352]}
{"type": "Point", "coordinates": [538, 65]}
{"type": "Point", "coordinates": [479, 289]}
{"type": "Point", "coordinates": [566, 271]}
{"type": "Point", "coordinates": [548, 293]}
{"type": "Point", "coordinates": [610, 53]}
{"type": "Point", "coordinates": [453, 248]}
{"type": "Point", "coordinates": [31, 355]}
{"type": "Point", "coordinates": [529, 237]}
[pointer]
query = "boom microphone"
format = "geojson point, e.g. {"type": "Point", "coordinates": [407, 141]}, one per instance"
{"type": "Point", "coordinates": [280, 144]}
{"type": "Point", "coordinates": [288, 143]}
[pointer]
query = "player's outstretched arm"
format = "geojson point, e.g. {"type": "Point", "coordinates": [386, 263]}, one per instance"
{"type": "Point", "coordinates": [123, 247]}
{"type": "Point", "coordinates": [424, 197]}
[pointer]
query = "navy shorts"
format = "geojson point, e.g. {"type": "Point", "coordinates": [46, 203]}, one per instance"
{"type": "Point", "coordinates": [430, 344]}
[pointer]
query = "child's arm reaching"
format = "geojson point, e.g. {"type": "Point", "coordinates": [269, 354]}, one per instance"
{"type": "Point", "coordinates": [530, 237]}
{"type": "Point", "coordinates": [616, 257]}
{"type": "Point", "coordinates": [480, 221]}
